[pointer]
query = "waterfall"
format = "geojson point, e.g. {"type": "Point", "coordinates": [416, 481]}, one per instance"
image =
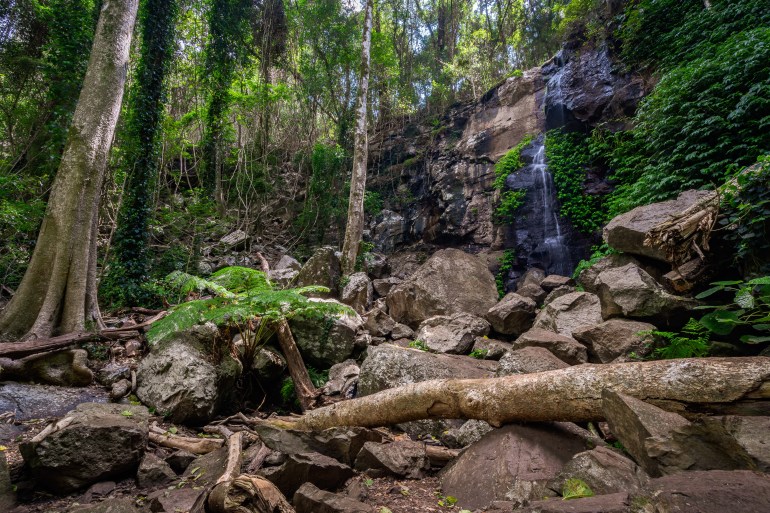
{"type": "Point", "coordinates": [542, 236]}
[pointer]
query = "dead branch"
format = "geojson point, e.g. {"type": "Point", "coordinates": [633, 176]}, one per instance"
{"type": "Point", "coordinates": [187, 443]}
{"type": "Point", "coordinates": [248, 494]}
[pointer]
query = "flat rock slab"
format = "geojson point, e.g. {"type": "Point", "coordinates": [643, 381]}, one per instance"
{"type": "Point", "coordinates": [611, 503]}
{"type": "Point", "coordinates": [31, 401]}
{"type": "Point", "coordinates": [107, 506]}
{"type": "Point", "coordinates": [310, 499]}
{"type": "Point", "coordinates": [511, 463]}
{"type": "Point", "coordinates": [324, 472]}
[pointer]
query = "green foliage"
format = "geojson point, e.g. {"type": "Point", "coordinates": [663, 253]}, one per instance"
{"type": "Point", "coordinates": [288, 392]}
{"type": "Point", "coordinates": [510, 201]}
{"type": "Point", "coordinates": [575, 488]}
{"type": "Point", "coordinates": [326, 199]}
{"type": "Point", "coordinates": [242, 297]}
{"type": "Point", "coordinates": [749, 310]}
{"type": "Point", "coordinates": [419, 344]}
{"type": "Point", "coordinates": [568, 161]}
{"type": "Point", "coordinates": [692, 341]}
{"type": "Point", "coordinates": [709, 115]}
{"type": "Point", "coordinates": [364, 256]}
{"type": "Point", "coordinates": [21, 212]}
{"type": "Point", "coordinates": [373, 203]}
{"type": "Point", "coordinates": [479, 354]}
{"type": "Point", "coordinates": [510, 162]}
{"type": "Point", "coordinates": [597, 253]}
{"type": "Point", "coordinates": [745, 218]}
{"type": "Point", "coordinates": [507, 261]}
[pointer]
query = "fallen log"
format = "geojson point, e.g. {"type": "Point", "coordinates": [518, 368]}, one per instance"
{"type": "Point", "coordinates": [248, 494]}
{"type": "Point", "coordinates": [43, 345]}
{"type": "Point", "coordinates": [574, 394]}
{"type": "Point", "coordinates": [187, 443]}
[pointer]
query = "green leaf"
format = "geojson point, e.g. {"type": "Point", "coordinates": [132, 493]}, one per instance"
{"type": "Point", "coordinates": [575, 489]}
{"type": "Point", "coordinates": [744, 298]}
{"type": "Point", "coordinates": [764, 280]}
{"type": "Point", "coordinates": [721, 322]}
{"type": "Point", "coordinates": [754, 339]}
{"type": "Point", "coordinates": [761, 327]}
{"type": "Point", "coordinates": [709, 292]}
{"type": "Point", "coordinates": [727, 283]}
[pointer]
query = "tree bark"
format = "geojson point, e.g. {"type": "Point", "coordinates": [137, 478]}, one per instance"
{"type": "Point", "coordinates": [303, 386]}
{"type": "Point", "coordinates": [248, 494]}
{"type": "Point", "coordinates": [58, 291]}
{"type": "Point", "coordinates": [355, 222]}
{"type": "Point", "coordinates": [573, 394]}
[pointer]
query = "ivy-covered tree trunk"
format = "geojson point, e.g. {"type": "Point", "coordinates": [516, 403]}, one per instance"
{"type": "Point", "coordinates": [58, 292]}
{"type": "Point", "coordinates": [130, 266]}
{"type": "Point", "coordinates": [355, 224]}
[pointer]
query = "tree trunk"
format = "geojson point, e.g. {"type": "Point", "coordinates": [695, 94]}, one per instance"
{"type": "Point", "coordinates": [355, 223]}
{"type": "Point", "coordinates": [58, 292]}
{"type": "Point", "coordinates": [303, 386]}
{"type": "Point", "coordinates": [573, 394]}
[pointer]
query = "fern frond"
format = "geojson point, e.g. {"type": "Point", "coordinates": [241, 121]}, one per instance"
{"type": "Point", "coordinates": [185, 283]}
{"type": "Point", "coordinates": [242, 280]}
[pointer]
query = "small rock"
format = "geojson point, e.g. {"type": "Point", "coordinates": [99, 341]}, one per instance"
{"type": "Point", "coordinates": [111, 373]}
{"type": "Point", "coordinates": [110, 505]}
{"type": "Point", "coordinates": [513, 315]}
{"type": "Point", "coordinates": [234, 239]}
{"type": "Point", "coordinates": [565, 348]}
{"type": "Point", "coordinates": [323, 268]}
{"type": "Point", "coordinates": [753, 434]}
{"type": "Point", "coordinates": [528, 360]}
{"type": "Point", "coordinates": [133, 347]}
{"type": "Point", "coordinates": [283, 278]}
{"type": "Point", "coordinates": [469, 433]}
{"type": "Point", "coordinates": [554, 281]}
{"type": "Point", "coordinates": [452, 334]}
{"type": "Point", "coordinates": [379, 323]}
{"type": "Point", "coordinates": [268, 363]}
{"type": "Point", "coordinates": [324, 342]}
{"type": "Point", "coordinates": [403, 459]}
{"type": "Point", "coordinates": [174, 500]}
{"type": "Point", "coordinates": [154, 472]}
{"type": "Point", "coordinates": [490, 348]}
{"type": "Point", "coordinates": [98, 491]}
{"type": "Point", "coordinates": [289, 263]}
{"type": "Point", "coordinates": [611, 503]}
{"type": "Point", "coordinates": [120, 389]}
{"type": "Point", "coordinates": [343, 379]}
{"type": "Point", "coordinates": [557, 293]}
{"type": "Point", "coordinates": [376, 264]}
{"type": "Point", "coordinates": [310, 499]}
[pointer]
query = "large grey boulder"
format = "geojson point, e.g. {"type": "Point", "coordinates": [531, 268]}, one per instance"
{"type": "Point", "coordinates": [630, 291]}
{"type": "Point", "coordinates": [324, 342]}
{"type": "Point", "coordinates": [627, 232]}
{"type": "Point", "coordinates": [511, 463]}
{"type": "Point", "coordinates": [664, 442]}
{"type": "Point", "coordinates": [383, 286]}
{"type": "Point", "coordinates": [529, 359]}
{"type": "Point", "coordinates": [570, 312]}
{"type": "Point", "coordinates": [587, 277]}
{"type": "Point", "coordinates": [513, 315]}
{"type": "Point", "coordinates": [389, 366]}
{"type": "Point", "coordinates": [452, 334]}
{"type": "Point", "coordinates": [451, 281]}
{"type": "Point", "coordinates": [288, 262]}
{"type": "Point", "coordinates": [97, 442]}
{"type": "Point", "coordinates": [358, 292]}
{"type": "Point", "coordinates": [753, 434]}
{"type": "Point", "coordinates": [565, 348]}
{"type": "Point", "coordinates": [378, 323]}
{"type": "Point", "coordinates": [324, 472]}
{"type": "Point", "coordinates": [616, 340]}
{"type": "Point", "coordinates": [180, 379]}
{"type": "Point", "coordinates": [322, 268]}
{"type": "Point", "coordinates": [604, 471]}
{"type": "Point", "coordinates": [154, 472]}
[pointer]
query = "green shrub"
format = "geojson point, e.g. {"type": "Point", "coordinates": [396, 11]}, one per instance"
{"type": "Point", "coordinates": [692, 341]}
{"type": "Point", "coordinates": [507, 262]}
{"type": "Point", "coordinates": [510, 162]}
{"type": "Point", "coordinates": [373, 202]}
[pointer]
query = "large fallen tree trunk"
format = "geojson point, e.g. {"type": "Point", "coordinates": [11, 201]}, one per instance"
{"type": "Point", "coordinates": [730, 385]}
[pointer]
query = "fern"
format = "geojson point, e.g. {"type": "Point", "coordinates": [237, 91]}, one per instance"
{"type": "Point", "coordinates": [242, 295]}
{"type": "Point", "coordinates": [692, 341]}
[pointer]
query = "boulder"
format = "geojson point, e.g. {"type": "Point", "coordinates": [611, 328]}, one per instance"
{"type": "Point", "coordinates": [610, 503]}
{"type": "Point", "coordinates": [664, 442]}
{"type": "Point", "coordinates": [383, 286]}
{"type": "Point", "coordinates": [340, 443]}
{"type": "Point", "coordinates": [604, 471]}
{"type": "Point", "coordinates": [557, 293]}
{"type": "Point", "coordinates": [311, 499]}
{"type": "Point", "coordinates": [715, 491]}
{"type": "Point", "coordinates": [452, 334]}
{"type": "Point", "coordinates": [563, 347]}
{"type": "Point", "coordinates": [378, 323]}
{"type": "Point", "coordinates": [154, 472]}
{"type": "Point", "coordinates": [98, 442]}
{"type": "Point", "coordinates": [322, 268]}
{"type": "Point", "coordinates": [469, 433]}
{"type": "Point", "coordinates": [358, 292]}
{"type": "Point", "coordinates": [343, 379]}
{"type": "Point", "coordinates": [7, 495]}
{"type": "Point", "coordinates": [533, 276]}
{"type": "Point", "coordinates": [570, 312]}
{"type": "Point", "coordinates": [375, 264]}
{"type": "Point", "coordinates": [324, 472]}
{"type": "Point", "coordinates": [528, 360]}
{"type": "Point", "coordinates": [180, 460]}
{"type": "Point", "coordinates": [489, 348]}
{"type": "Point", "coordinates": [587, 277]}
{"type": "Point", "coordinates": [513, 315]}
{"type": "Point", "coordinates": [179, 379]}
{"type": "Point", "coordinates": [554, 281]}
{"type": "Point", "coordinates": [388, 230]}
{"type": "Point", "coordinates": [288, 262]}
{"type": "Point", "coordinates": [616, 340]}
{"type": "Point", "coordinates": [451, 281]}
{"type": "Point", "coordinates": [403, 458]}
{"type": "Point", "coordinates": [753, 434]}
{"type": "Point", "coordinates": [389, 366]}
{"type": "Point", "coordinates": [112, 373]}
{"type": "Point", "coordinates": [109, 505]}
{"type": "Point", "coordinates": [627, 232]}
{"type": "Point", "coordinates": [283, 278]}
{"type": "Point", "coordinates": [174, 500]}
{"type": "Point", "coordinates": [402, 331]}
{"type": "Point", "coordinates": [511, 463]}
{"type": "Point", "coordinates": [324, 342]}
{"type": "Point", "coordinates": [630, 291]}
{"type": "Point", "coordinates": [533, 292]}
{"type": "Point", "coordinates": [268, 363]}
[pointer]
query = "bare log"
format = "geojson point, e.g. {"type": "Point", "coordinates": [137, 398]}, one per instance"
{"type": "Point", "coordinates": [573, 394]}
{"type": "Point", "coordinates": [30, 347]}
{"type": "Point", "coordinates": [248, 494]}
{"type": "Point", "coordinates": [234, 458]}
{"type": "Point", "coordinates": [193, 445]}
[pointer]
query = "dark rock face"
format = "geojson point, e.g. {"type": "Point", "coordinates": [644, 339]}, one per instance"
{"type": "Point", "coordinates": [403, 458]}
{"type": "Point", "coordinates": [324, 472]}
{"type": "Point", "coordinates": [45, 401]}
{"type": "Point", "coordinates": [585, 87]}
